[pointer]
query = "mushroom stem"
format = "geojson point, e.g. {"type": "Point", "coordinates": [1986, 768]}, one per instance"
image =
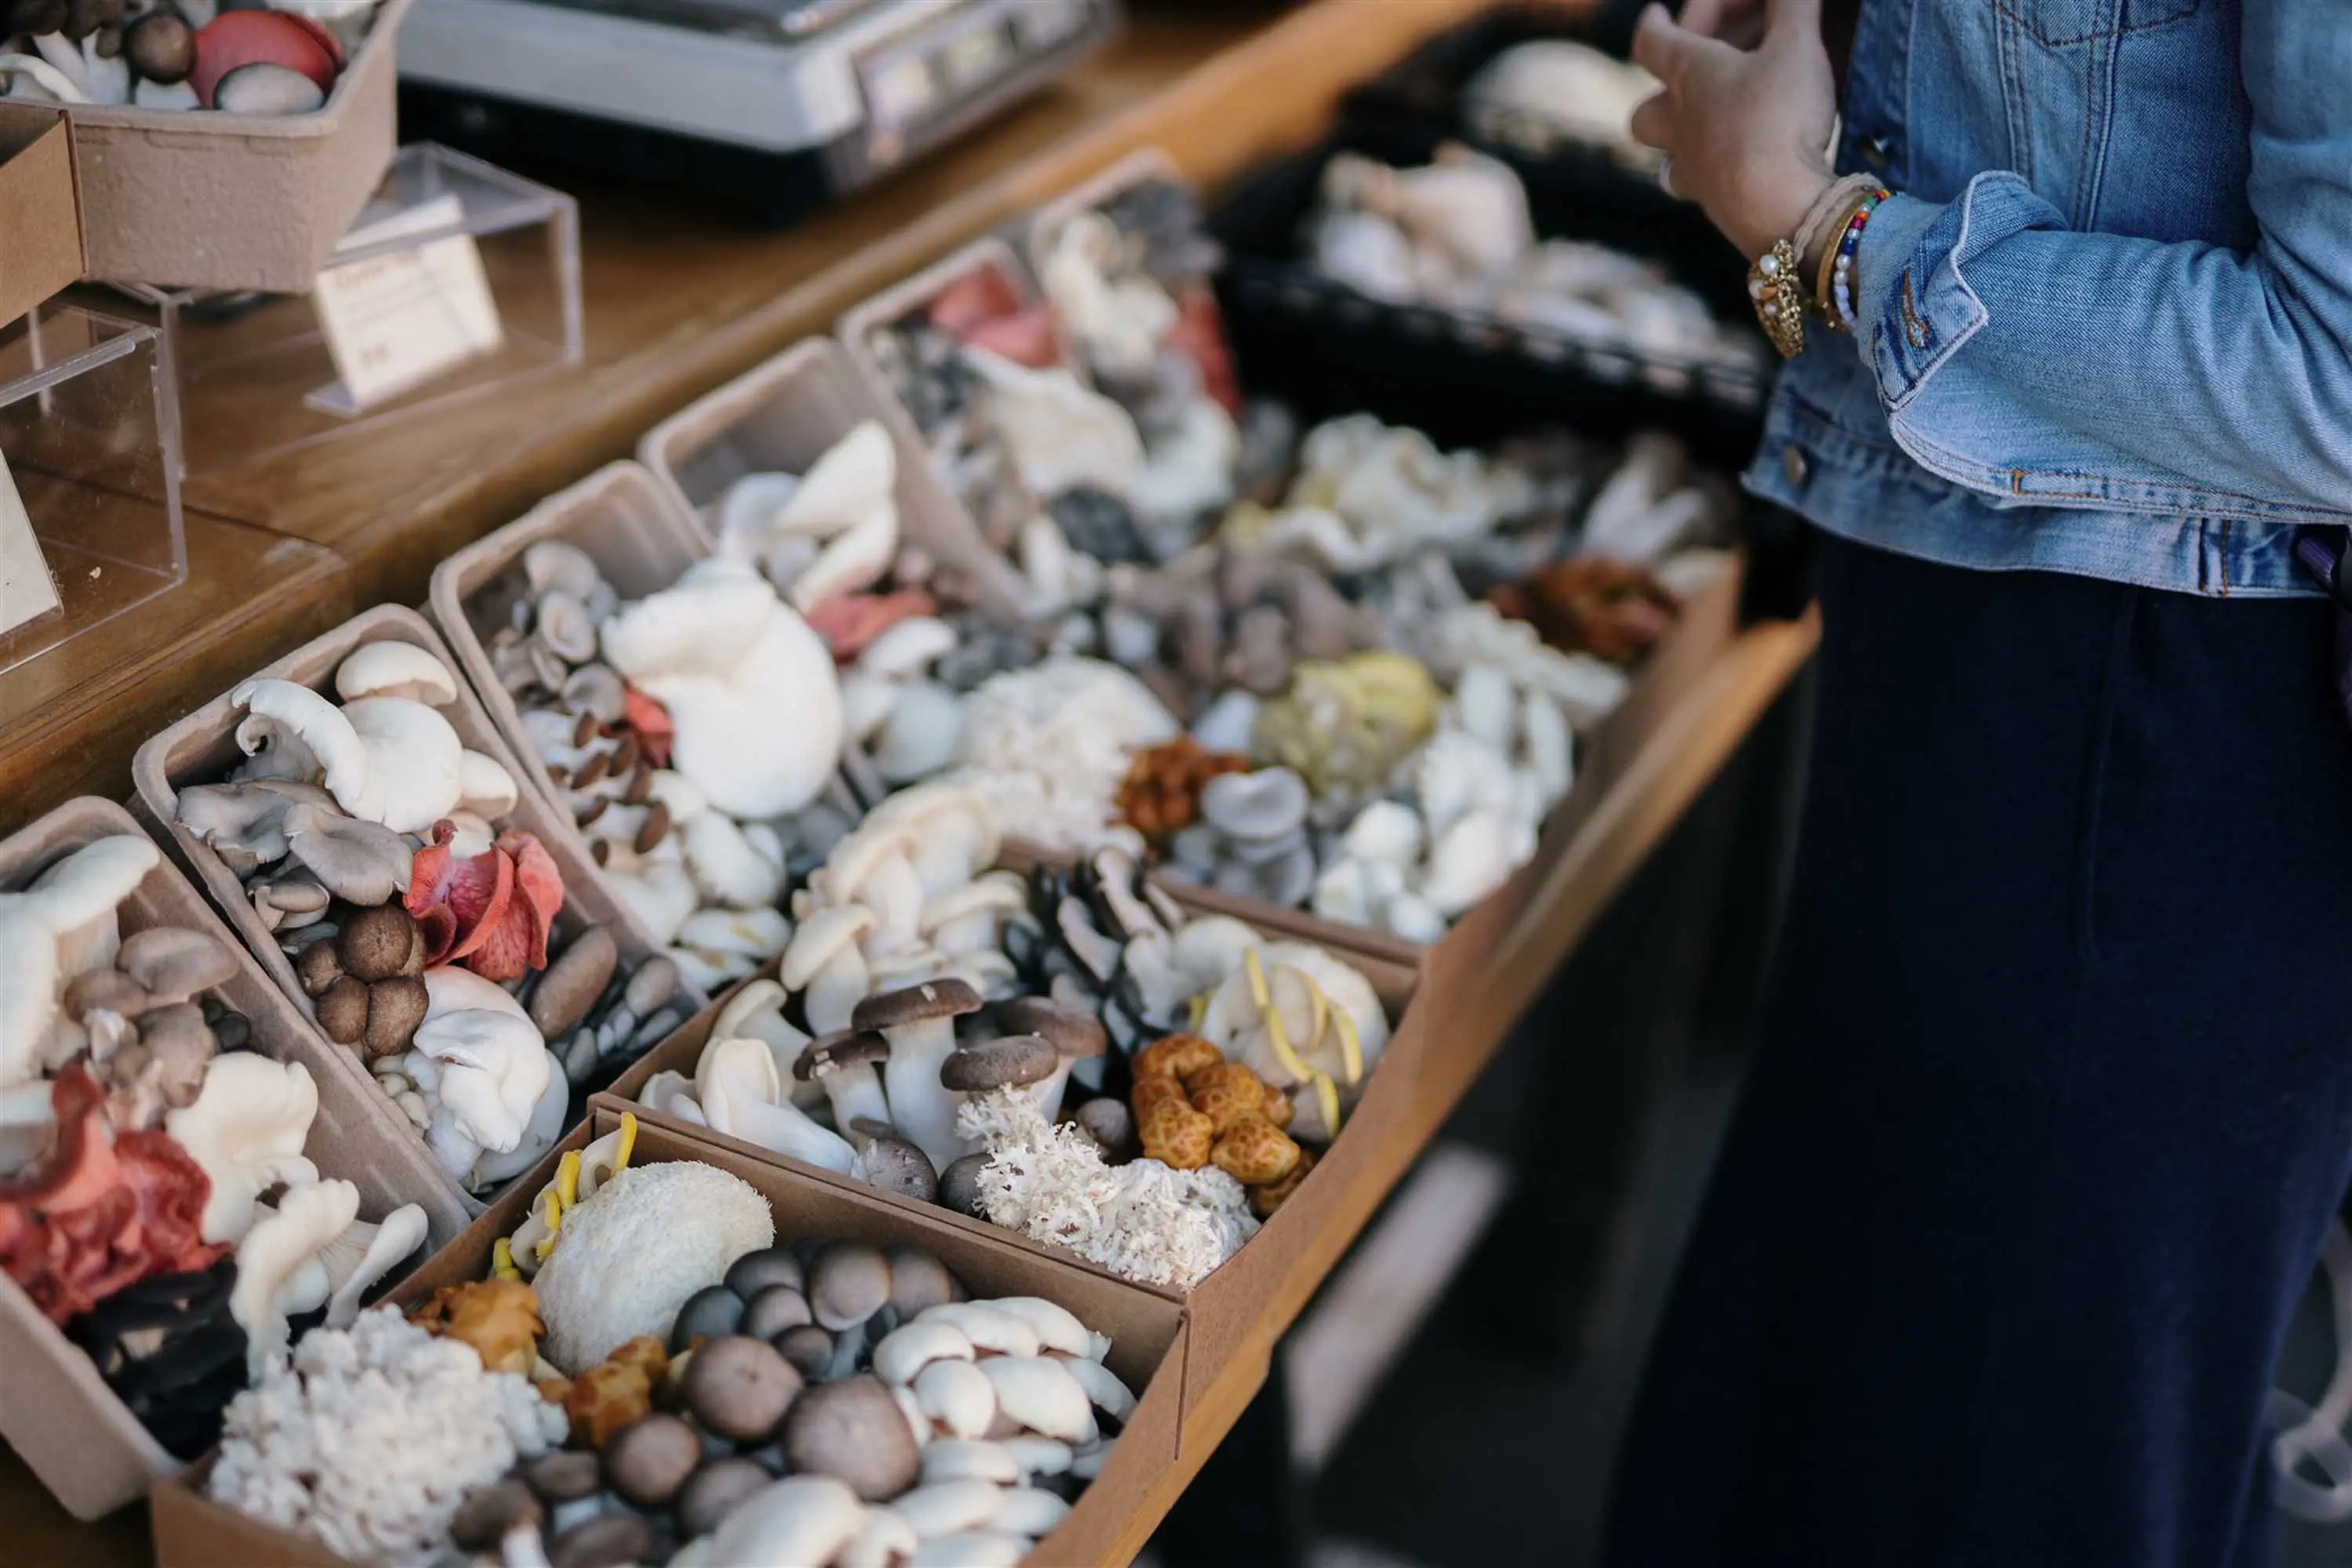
{"type": "Point", "coordinates": [921, 1108]}
{"type": "Point", "coordinates": [856, 1093]}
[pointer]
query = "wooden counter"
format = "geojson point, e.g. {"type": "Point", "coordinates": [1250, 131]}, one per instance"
{"type": "Point", "coordinates": [675, 303]}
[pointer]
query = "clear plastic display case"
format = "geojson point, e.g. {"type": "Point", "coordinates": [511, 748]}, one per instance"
{"type": "Point", "coordinates": [458, 280]}
{"type": "Point", "coordinates": [90, 438]}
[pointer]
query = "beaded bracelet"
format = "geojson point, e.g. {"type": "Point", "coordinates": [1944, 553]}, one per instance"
{"type": "Point", "coordinates": [1836, 299]}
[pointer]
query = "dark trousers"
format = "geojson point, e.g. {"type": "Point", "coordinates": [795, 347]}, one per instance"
{"type": "Point", "coordinates": [2053, 1101]}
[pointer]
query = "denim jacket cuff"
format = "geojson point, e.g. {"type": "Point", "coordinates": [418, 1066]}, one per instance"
{"type": "Point", "coordinates": [1913, 266]}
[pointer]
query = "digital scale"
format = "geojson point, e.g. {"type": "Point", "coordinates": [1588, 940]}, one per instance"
{"type": "Point", "coordinates": [773, 105]}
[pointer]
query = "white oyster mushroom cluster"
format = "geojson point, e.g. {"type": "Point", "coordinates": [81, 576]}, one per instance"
{"type": "Point", "coordinates": [1368, 494]}
{"type": "Point", "coordinates": [370, 1439]}
{"type": "Point", "coordinates": [1456, 234]}
{"type": "Point", "coordinates": [306, 1250]}
{"type": "Point", "coordinates": [818, 535]}
{"type": "Point", "coordinates": [244, 1118]}
{"type": "Point", "coordinates": [1046, 748]}
{"type": "Point", "coordinates": [493, 1096]}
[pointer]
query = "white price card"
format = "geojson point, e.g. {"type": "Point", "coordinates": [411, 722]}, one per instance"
{"type": "Point", "coordinates": [26, 590]}
{"type": "Point", "coordinates": [395, 321]}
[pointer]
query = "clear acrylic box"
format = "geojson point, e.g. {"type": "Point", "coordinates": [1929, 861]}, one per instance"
{"type": "Point", "coordinates": [450, 251]}
{"type": "Point", "coordinates": [90, 433]}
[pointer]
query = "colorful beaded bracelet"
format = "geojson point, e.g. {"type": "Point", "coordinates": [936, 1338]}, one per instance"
{"type": "Point", "coordinates": [1838, 304]}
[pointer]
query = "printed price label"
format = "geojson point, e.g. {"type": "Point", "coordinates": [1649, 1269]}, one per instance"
{"type": "Point", "coordinates": [395, 321]}
{"type": "Point", "coordinates": [26, 589]}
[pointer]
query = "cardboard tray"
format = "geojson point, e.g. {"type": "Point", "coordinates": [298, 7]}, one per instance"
{"type": "Point", "coordinates": [1148, 1332]}
{"type": "Point", "coordinates": [641, 538]}
{"type": "Point", "coordinates": [202, 747]}
{"type": "Point", "coordinates": [40, 245]}
{"type": "Point", "coordinates": [54, 1409]}
{"type": "Point", "coordinates": [861, 321]}
{"type": "Point", "coordinates": [1141, 166]}
{"type": "Point", "coordinates": [1234, 1324]}
{"type": "Point", "coordinates": [207, 200]}
{"type": "Point", "coordinates": [783, 415]}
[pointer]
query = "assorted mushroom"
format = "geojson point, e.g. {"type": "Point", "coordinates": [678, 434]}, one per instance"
{"type": "Point", "coordinates": [422, 932]}
{"type": "Point", "coordinates": [821, 1402]}
{"type": "Point", "coordinates": [273, 60]}
{"type": "Point", "coordinates": [154, 1199]}
{"type": "Point", "coordinates": [1456, 235]}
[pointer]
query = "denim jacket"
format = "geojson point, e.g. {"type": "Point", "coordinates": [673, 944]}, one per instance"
{"type": "Point", "coordinates": [2104, 326]}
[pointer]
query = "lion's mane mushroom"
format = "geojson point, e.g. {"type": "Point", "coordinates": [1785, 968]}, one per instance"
{"type": "Point", "coordinates": [919, 1024]}
{"type": "Point", "coordinates": [627, 1258]}
{"type": "Point", "coordinates": [720, 653]}
{"type": "Point", "coordinates": [740, 1093]}
{"type": "Point", "coordinates": [246, 1130]}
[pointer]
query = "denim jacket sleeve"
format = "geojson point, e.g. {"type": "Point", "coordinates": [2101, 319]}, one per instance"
{"type": "Point", "coordinates": [2052, 368]}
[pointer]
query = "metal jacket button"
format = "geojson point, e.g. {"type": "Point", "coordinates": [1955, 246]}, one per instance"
{"type": "Point", "coordinates": [1875, 150]}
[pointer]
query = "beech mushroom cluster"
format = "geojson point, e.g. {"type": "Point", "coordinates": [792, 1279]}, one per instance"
{"type": "Point", "coordinates": [148, 1151]}
{"type": "Point", "coordinates": [422, 932]}
{"type": "Point", "coordinates": [178, 54]}
{"type": "Point", "coordinates": [826, 1401]}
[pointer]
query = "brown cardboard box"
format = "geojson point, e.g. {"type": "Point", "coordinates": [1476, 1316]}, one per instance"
{"type": "Point", "coordinates": [207, 200]}
{"type": "Point", "coordinates": [1148, 1333]}
{"type": "Point", "coordinates": [1239, 1310]}
{"type": "Point", "coordinates": [54, 1409]}
{"type": "Point", "coordinates": [40, 243]}
{"type": "Point", "coordinates": [780, 417]}
{"type": "Point", "coordinates": [202, 747]}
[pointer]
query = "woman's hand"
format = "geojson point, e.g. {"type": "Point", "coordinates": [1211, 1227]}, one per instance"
{"type": "Point", "coordinates": [1746, 113]}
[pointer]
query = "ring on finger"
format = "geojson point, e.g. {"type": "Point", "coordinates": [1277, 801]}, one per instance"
{"type": "Point", "coordinates": [1666, 175]}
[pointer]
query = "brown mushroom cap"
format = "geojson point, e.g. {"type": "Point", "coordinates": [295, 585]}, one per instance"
{"type": "Point", "coordinates": [915, 1003]}
{"type": "Point", "coordinates": [486, 1516]}
{"type": "Point", "coordinates": [773, 1310]}
{"type": "Point", "coordinates": [854, 1431]}
{"type": "Point", "coordinates": [343, 1009]}
{"type": "Point", "coordinates": [848, 1281]}
{"type": "Point", "coordinates": [1008, 1061]}
{"type": "Point", "coordinates": [960, 1185]}
{"type": "Point", "coordinates": [755, 1271]}
{"type": "Point", "coordinates": [1074, 1033]}
{"type": "Point", "coordinates": [172, 963]}
{"type": "Point", "coordinates": [1111, 1125]}
{"type": "Point", "coordinates": [715, 1491]}
{"type": "Point", "coordinates": [161, 47]}
{"type": "Point", "coordinates": [318, 967]}
{"type": "Point", "coordinates": [110, 989]}
{"type": "Point", "coordinates": [738, 1387]}
{"type": "Point", "coordinates": [608, 1539]}
{"type": "Point", "coordinates": [379, 943]}
{"type": "Point", "coordinates": [396, 1008]}
{"type": "Point", "coordinates": [893, 1163]}
{"type": "Point", "coordinates": [842, 1048]}
{"type": "Point", "coordinates": [918, 1280]}
{"type": "Point", "coordinates": [647, 1461]}
{"type": "Point", "coordinates": [808, 1348]}
{"type": "Point", "coordinates": [562, 1475]}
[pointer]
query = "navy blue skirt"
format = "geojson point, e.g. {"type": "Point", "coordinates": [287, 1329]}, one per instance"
{"type": "Point", "coordinates": [2053, 1101]}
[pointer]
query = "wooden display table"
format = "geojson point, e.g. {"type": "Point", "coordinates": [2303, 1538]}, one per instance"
{"type": "Point", "coordinates": [676, 303]}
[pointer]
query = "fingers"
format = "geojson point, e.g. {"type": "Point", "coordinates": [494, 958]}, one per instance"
{"type": "Point", "coordinates": [1671, 53]}
{"type": "Point", "coordinates": [1704, 17]}
{"type": "Point", "coordinates": [1654, 122]}
{"type": "Point", "coordinates": [1661, 48]}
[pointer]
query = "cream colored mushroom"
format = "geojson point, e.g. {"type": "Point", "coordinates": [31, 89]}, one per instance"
{"type": "Point", "coordinates": [1040, 1393]}
{"type": "Point", "coordinates": [396, 669]}
{"type": "Point", "coordinates": [271, 1260]}
{"type": "Point", "coordinates": [826, 967]}
{"type": "Point", "coordinates": [909, 1348]}
{"type": "Point", "coordinates": [957, 1396]}
{"type": "Point", "coordinates": [988, 1329]}
{"type": "Point", "coordinates": [246, 1130]}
